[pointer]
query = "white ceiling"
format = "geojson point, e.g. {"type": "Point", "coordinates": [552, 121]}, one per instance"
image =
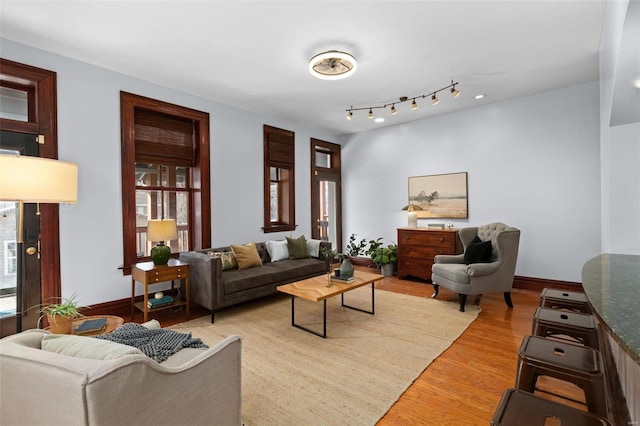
{"type": "Point", "coordinates": [254, 54]}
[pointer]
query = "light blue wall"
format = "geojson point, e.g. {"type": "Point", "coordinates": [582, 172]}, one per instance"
{"type": "Point", "coordinates": [89, 135]}
{"type": "Point", "coordinates": [619, 145]}
{"type": "Point", "coordinates": [532, 162]}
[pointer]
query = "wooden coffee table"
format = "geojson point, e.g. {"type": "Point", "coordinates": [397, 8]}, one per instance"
{"type": "Point", "coordinates": [315, 289]}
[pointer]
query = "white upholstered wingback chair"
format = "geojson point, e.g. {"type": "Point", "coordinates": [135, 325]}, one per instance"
{"type": "Point", "coordinates": [494, 275]}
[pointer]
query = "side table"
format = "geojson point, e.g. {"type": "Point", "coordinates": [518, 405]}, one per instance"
{"type": "Point", "coordinates": [113, 322]}
{"type": "Point", "coordinates": [148, 274]}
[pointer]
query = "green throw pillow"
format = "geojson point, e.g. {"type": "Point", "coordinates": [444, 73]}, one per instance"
{"type": "Point", "coordinates": [298, 248]}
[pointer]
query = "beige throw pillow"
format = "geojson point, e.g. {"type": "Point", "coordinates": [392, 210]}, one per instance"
{"type": "Point", "coordinates": [247, 256]}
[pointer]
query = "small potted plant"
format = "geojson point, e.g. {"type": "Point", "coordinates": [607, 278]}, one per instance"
{"type": "Point", "coordinates": [385, 258]}
{"type": "Point", "coordinates": [346, 268]}
{"type": "Point", "coordinates": [61, 315]}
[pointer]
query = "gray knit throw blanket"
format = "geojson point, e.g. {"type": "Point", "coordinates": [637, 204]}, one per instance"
{"type": "Point", "coordinates": [158, 344]}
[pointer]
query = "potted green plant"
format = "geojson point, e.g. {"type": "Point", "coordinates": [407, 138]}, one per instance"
{"type": "Point", "coordinates": [356, 249]}
{"type": "Point", "coordinates": [385, 258]}
{"type": "Point", "coordinates": [61, 315]}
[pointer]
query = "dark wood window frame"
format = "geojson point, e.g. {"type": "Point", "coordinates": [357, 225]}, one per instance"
{"type": "Point", "coordinates": [41, 87]}
{"type": "Point", "coordinates": [279, 152]}
{"type": "Point", "coordinates": [333, 173]}
{"type": "Point", "coordinates": [199, 174]}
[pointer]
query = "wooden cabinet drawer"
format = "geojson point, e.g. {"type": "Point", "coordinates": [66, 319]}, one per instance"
{"type": "Point", "coordinates": [422, 251]}
{"type": "Point", "coordinates": [416, 267]}
{"type": "Point", "coordinates": [159, 275]}
{"type": "Point", "coordinates": [428, 238]}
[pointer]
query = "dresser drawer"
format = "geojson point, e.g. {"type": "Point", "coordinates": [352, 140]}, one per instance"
{"type": "Point", "coordinates": [428, 252]}
{"type": "Point", "coordinates": [429, 238]}
{"type": "Point", "coordinates": [159, 275]}
{"type": "Point", "coordinates": [415, 267]}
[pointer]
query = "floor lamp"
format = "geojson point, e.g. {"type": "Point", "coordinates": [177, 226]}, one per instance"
{"type": "Point", "coordinates": [26, 179]}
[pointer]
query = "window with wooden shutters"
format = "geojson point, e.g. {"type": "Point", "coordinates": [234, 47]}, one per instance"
{"type": "Point", "coordinates": [165, 174]}
{"type": "Point", "coordinates": [279, 182]}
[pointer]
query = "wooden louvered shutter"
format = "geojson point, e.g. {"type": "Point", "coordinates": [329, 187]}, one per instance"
{"type": "Point", "coordinates": [164, 139]}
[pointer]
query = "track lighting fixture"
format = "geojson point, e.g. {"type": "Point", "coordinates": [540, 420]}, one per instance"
{"type": "Point", "coordinates": [414, 104]}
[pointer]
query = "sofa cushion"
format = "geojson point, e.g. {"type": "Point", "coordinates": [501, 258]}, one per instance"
{"type": "Point", "coordinates": [246, 255]}
{"type": "Point", "coordinates": [298, 247]}
{"type": "Point", "coordinates": [263, 253]}
{"type": "Point", "coordinates": [226, 257]}
{"type": "Point", "coordinates": [313, 246]}
{"type": "Point", "coordinates": [86, 347]}
{"type": "Point", "coordinates": [452, 271]}
{"type": "Point", "coordinates": [478, 251]}
{"type": "Point", "coordinates": [278, 250]}
{"type": "Point", "coordinates": [293, 269]}
{"type": "Point", "coordinates": [248, 279]}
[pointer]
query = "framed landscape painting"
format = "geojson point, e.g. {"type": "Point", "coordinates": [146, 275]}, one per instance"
{"type": "Point", "coordinates": [439, 196]}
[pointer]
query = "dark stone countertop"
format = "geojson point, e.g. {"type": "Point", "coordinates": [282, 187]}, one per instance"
{"type": "Point", "coordinates": [612, 285]}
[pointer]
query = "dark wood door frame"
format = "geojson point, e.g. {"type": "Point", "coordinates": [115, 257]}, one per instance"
{"type": "Point", "coordinates": [43, 121]}
{"type": "Point", "coordinates": [334, 174]}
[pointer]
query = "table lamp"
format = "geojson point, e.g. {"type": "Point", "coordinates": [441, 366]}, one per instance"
{"type": "Point", "coordinates": [25, 179]}
{"type": "Point", "coordinates": [161, 230]}
{"type": "Point", "coordinates": [412, 216]}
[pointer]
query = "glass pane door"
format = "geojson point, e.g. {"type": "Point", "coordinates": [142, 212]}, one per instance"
{"type": "Point", "coordinates": [327, 217]}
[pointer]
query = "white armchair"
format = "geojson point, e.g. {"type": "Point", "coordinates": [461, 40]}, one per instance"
{"type": "Point", "coordinates": [496, 275]}
{"type": "Point", "coordinates": [192, 387]}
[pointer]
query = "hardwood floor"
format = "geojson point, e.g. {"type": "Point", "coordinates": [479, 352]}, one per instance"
{"type": "Point", "coordinates": [464, 385]}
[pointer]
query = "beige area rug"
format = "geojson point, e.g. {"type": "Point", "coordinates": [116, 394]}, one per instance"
{"type": "Point", "coordinates": [291, 377]}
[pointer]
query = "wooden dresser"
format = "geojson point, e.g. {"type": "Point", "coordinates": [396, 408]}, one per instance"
{"type": "Point", "coordinates": [418, 246]}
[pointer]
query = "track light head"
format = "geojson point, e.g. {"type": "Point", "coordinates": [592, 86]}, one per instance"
{"type": "Point", "coordinates": [434, 100]}
{"type": "Point", "coordinates": [414, 104]}
{"type": "Point", "coordinates": [370, 115]}
{"type": "Point", "coordinates": [455, 92]}
{"type": "Point", "coordinates": [394, 111]}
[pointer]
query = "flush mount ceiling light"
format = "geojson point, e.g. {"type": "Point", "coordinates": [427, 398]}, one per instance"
{"type": "Point", "coordinates": [414, 105]}
{"type": "Point", "coordinates": [332, 65]}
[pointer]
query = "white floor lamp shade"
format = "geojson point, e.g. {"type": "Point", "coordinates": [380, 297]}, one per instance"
{"type": "Point", "coordinates": [25, 179]}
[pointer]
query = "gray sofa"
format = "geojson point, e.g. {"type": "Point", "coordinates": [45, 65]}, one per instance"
{"type": "Point", "coordinates": [214, 288]}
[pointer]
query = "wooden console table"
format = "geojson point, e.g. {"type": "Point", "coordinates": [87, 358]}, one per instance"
{"type": "Point", "coordinates": [148, 274]}
{"type": "Point", "coordinates": [418, 246]}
